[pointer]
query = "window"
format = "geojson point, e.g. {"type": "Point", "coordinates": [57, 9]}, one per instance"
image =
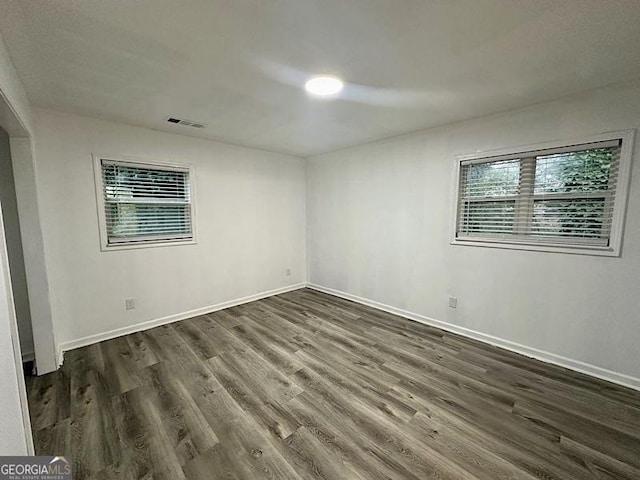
{"type": "Point", "coordinates": [143, 204]}
{"type": "Point", "coordinates": [558, 198]}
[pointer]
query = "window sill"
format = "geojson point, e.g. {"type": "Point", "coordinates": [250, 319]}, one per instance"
{"type": "Point", "coordinates": [133, 246]}
{"type": "Point", "coordinates": [539, 247]}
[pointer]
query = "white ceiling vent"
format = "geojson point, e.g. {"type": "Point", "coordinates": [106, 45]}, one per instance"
{"type": "Point", "coordinates": [185, 122]}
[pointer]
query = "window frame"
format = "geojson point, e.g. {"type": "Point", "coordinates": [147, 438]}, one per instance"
{"type": "Point", "coordinates": [619, 206]}
{"type": "Point", "coordinates": [148, 163]}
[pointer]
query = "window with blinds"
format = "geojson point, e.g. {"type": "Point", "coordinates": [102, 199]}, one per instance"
{"type": "Point", "coordinates": [563, 196]}
{"type": "Point", "coordinates": [145, 204]}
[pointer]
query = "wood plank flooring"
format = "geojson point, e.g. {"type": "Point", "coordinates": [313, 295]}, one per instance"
{"type": "Point", "coordinates": [308, 386]}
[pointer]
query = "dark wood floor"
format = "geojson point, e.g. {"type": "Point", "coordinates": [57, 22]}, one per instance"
{"type": "Point", "coordinates": [308, 386]}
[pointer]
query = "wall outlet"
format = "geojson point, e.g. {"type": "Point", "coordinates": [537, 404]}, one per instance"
{"type": "Point", "coordinates": [453, 302]}
{"type": "Point", "coordinates": [287, 272]}
{"type": "Point", "coordinates": [130, 303]}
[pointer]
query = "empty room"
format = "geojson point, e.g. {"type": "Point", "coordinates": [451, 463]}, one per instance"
{"type": "Point", "coordinates": [319, 239]}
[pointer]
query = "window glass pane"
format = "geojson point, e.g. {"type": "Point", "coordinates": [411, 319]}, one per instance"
{"type": "Point", "coordinates": [585, 171]}
{"type": "Point", "coordinates": [574, 218]}
{"type": "Point", "coordinates": [137, 183]}
{"type": "Point", "coordinates": [145, 204]}
{"type": "Point", "coordinates": [491, 179]}
{"type": "Point", "coordinates": [564, 196]}
{"type": "Point", "coordinates": [495, 217]}
{"type": "Point", "coordinates": [142, 220]}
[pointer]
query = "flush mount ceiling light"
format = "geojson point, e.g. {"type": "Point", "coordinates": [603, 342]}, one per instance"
{"type": "Point", "coordinates": [324, 85]}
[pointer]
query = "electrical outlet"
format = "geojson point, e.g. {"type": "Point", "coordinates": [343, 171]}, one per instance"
{"type": "Point", "coordinates": [288, 272]}
{"type": "Point", "coordinates": [453, 302]}
{"type": "Point", "coordinates": [130, 303]}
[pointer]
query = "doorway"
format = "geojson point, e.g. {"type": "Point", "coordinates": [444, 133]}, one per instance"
{"type": "Point", "coordinates": [8, 203]}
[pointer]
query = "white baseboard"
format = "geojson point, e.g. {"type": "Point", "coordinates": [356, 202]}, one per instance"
{"type": "Point", "coordinates": [138, 327]}
{"type": "Point", "coordinates": [28, 357]}
{"type": "Point", "coordinates": [548, 357]}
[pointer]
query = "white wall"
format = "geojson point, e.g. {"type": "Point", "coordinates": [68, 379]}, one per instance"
{"type": "Point", "coordinates": [379, 225]}
{"type": "Point", "coordinates": [16, 119]}
{"type": "Point", "coordinates": [22, 156]}
{"type": "Point", "coordinates": [250, 223]}
{"type": "Point", "coordinates": [15, 427]}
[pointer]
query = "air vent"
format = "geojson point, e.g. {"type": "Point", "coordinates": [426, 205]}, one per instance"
{"type": "Point", "coordinates": [185, 122]}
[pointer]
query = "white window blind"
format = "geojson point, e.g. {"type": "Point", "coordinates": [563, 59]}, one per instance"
{"type": "Point", "coordinates": [562, 196]}
{"type": "Point", "coordinates": [145, 204]}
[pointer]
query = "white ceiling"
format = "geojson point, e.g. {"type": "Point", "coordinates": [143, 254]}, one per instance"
{"type": "Point", "coordinates": [239, 65]}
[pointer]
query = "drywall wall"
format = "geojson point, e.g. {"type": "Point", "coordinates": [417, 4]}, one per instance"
{"type": "Point", "coordinates": [379, 226]}
{"type": "Point", "coordinates": [15, 427]}
{"type": "Point", "coordinates": [250, 214]}
{"type": "Point", "coordinates": [15, 112]}
{"type": "Point", "coordinates": [22, 156]}
{"type": "Point", "coordinates": [14, 247]}
{"type": "Point", "coordinates": [16, 119]}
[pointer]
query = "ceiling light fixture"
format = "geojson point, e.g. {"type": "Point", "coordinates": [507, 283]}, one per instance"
{"type": "Point", "coordinates": [324, 85]}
